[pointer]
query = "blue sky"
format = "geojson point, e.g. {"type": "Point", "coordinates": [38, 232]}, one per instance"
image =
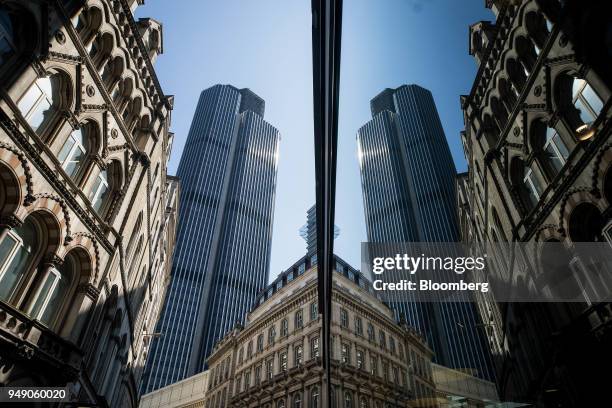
{"type": "Point", "coordinates": [265, 45]}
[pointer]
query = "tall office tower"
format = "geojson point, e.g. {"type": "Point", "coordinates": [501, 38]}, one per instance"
{"type": "Point", "coordinates": [228, 175]}
{"type": "Point", "coordinates": [408, 185]}
{"type": "Point", "coordinates": [309, 231]}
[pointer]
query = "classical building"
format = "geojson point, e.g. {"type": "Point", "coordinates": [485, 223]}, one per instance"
{"type": "Point", "coordinates": [228, 182]}
{"type": "Point", "coordinates": [537, 140]}
{"type": "Point", "coordinates": [187, 393]}
{"type": "Point", "coordinates": [87, 214]}
{"type": "Point", "coordinates": [408, 185]}
{"type": "Point", "coordinates": [274, 360]}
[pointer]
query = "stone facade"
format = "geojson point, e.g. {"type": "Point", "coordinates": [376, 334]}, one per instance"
{"type": "Point", "coordinates": [537, 140]}
{"type": "Point", "coordinates": [274, 361]}
{"type": "Point", "coordinates": [87, 214]}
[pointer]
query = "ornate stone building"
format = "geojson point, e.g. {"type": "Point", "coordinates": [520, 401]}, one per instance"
{"type": "Point", "coordinates": [274, 361]}
{"type": "Point", "coordinates": [537, 140]}
{"type": "Point", "coordinates": [87, 214]}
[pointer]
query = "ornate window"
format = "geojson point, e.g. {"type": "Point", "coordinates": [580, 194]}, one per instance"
{"type": "Point", "coordinates": [348, 399]}
{"type": "Point", "coordinates": [382, 339]}
{"type": "Point", "coordinates": [297, 355]}
{"type": "Point", "coordinates": [284, 328]}
{"type": "Point", "coordinates": [298, 319]}
{"type": "Point", "coordinates": [314, 397]}
{"type": "Point", "coordinates": [359, 359]}
{"type": "Point", "coordinates": [73, 153]}
{"type": "Point", "coordinates": [271, 335]}
{"type": "Point", "coordinates": [280, 403]}
{"type": "Point", "coordinates": [358, 326]}
{"type": "Point", "coordinates": [314, 311]}
{"type": "Point", "coordinates": [534, 188]}
{"type": "Point", "coordinates": [586, 100]}
{"type": "Point", "coordinates": [552, 150]}
{"type": "Point", "coordinates": [371, 332]}
{"type": "Point", "coordinates": [18, 249]}
{"type": "Point", "coordinates": [260, 343]}
{"type": "Point", "coordinates": [269, 369]}
{"type": "Point", "coordinates": [283, 361]}
{"type": "Point", "coordinates": [297, 400]}
{"type": "Point", "coordinates": [344, 318]}
{"type": "Point", "coordinates": [314, 347]}
{"type": "Point", "coordinates": [39, 103]}
{"type": "Point", "coordinates": [100, 191]}
{"type": "Point", "coordinates": [52, 291]}
{"type": "Point", "coordinates": [363, 402]}
{"type": "Point", "coordinates": [346, 353]}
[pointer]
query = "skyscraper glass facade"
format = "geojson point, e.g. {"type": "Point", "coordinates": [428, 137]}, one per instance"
{"type": "Point", "coordinates": [408, 185]}
{"type": "Point", "coordinates": [228, 174]}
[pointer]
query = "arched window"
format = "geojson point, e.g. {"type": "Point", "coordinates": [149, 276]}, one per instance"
{"type": "Point", "coordinates": [527, 54]}
{"type": "Point", "coordinates": [18, 250]}
{"type": "Point", "coordinates": [100, 191]}
{"type": "Point", "coordinates": [52, 291]}
{"type": "Point", "coordinates": [297, 400]}
{"type": "Point", "coordinates": [43, 99]}
{"type": "Point", "coordinates": [578, 100]}
{"type": "Point", "coordinates": [87, 23]}
{"type": "Point", "coordinates": [363, 402]}
{"type": "Point", "coordinates": [75, 150]}
{"type": "Point", "coordinates": [586, 100]}
{"type": "Point", "coordinates": [490, 130]}
{"type": "Point", "coordinates": [507, 94]}
{"type": "Point", "coordinates": [297, 355]}
{"type": "Point", "coordinates": [516, 74]}
{"type": "Point", "coordinates": [549, 146]}
{"type": "Point", "coordinates": [271, 335]}
{"type": "Point", "coordinates": [298, 319]}
{"type": "Point", "coordinates": [538, 29]}
{"type": "Point", "coordinates": [525, 183]}
{"type": "Point", "coordinates": [314, 397]}
{"type": "Point", "coordinates": [121, 93]}
{"type": "Point", "coordinates": [499, 111]}
{"type": "Point", "coordinates": [348, 399]}
{"type": "Point", "coordinates": [112, 72]}
{"type": "Point", "coordinates": [280, 403]}
{"type": "Point", "coordinates": [284, 328]}
{"type": "Point", "coordinates": [100, 49]}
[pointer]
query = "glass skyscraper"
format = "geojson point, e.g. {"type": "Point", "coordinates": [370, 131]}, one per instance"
{"type": "Point", "coordinates": [408, 186]}
{"type": "Point", "coordinates": [228, 178]}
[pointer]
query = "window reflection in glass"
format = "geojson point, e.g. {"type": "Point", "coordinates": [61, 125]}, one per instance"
{"type": "Point", "coordinates": [100, 191]}
{"type": "Point", "coordinates": [35, 105]}
{"type": "Point", "coordinates": [555, 150]}
{"type": "Point", "coordinates": [17, 251]}
{"type": "Point", "coordinates": [73, 153]}
{"type": "Point", "coordinates": [586, 101]}
{"type": "Point", "coordinates": [51, 293]}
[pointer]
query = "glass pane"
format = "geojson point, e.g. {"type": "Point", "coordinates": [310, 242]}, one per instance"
{"type": "Point", "coordinates": [58, 297]}
{"type": "Point", "coordinates": [577, 86]}
{"type": "Point", "coordinates": [592, 99]}
{"type": "Point", "coordinates": [552, 157]}
{"type": "Point", "coordinates": [7, 281]}
{"type": "Point", "coordinates": [39, 114]}
{"type": "Point", "coordinates": [43, 294]}
{"type": "Point", "coordinates": [563, 151]}
{"type": "Point", "coordinates": [28, 100]}
{"type": "Point", "coordinates": [63, 154]}
{"type": "Point", "coordinates": [21, 258]}
{"type": "Point", "coordinates": [585, 114]}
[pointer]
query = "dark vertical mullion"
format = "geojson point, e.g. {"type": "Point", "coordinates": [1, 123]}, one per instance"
{"type": "Point", "coordinates": [326, 37]}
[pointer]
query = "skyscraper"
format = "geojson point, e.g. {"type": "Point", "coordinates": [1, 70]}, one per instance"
{"type": "Point", "coordinates": [309, 231]}
{"type": "Point", "coordinates": [228, 175]}
{"type": "Point", "coordinates": [408, 185]}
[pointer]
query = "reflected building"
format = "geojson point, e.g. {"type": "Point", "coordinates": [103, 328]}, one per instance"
{"type": "Point", "coordinates": [537, 141]}
{"type": "Point", "coordinates": [408, 186]}
{"type": "Point", "coordinates": [228, 179]}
